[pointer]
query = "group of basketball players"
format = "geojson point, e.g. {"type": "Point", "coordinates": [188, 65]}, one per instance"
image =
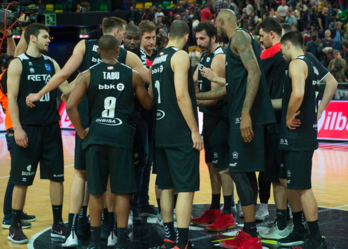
{"type": "Point", "coordinates": [260, 114]}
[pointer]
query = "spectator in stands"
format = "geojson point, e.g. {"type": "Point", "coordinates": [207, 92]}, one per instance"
{"type": "Point", "coordinates": [301, 8]}
{"type": "Point", "coordinates": [144, 14]}
{"type": "Point", "coordinates": [312, 46]}
{"type": "Point", "coordinates": [186, 16]}
{"type": "Point", "coordinates": [159, 40]}
{"type": "Point", "coordinates": [249, 8]}
{"type": "Point", "coordinates": [337, 66]}
{"type": "Point", "coordinates": [253, 19]}
{"type": "Point", "coordinates": [337, 35]}
{"type": "Point", "coordinates": [320, 6]}
{"type": "Point", "coordinates": [220, 4]}
{"type": "Point", "coordinates": [325, 48]}
{"type": "Point", "coordinates": [233, 6]}
{"type": "Point", "coordinates": [322, 20]}
{"type": "Point", "coordinates": [205, 14]}
{"type": "Point", "coordinates": [244, 19]}
{"type": "Point", "coordinates": [344, 51]}
{"type": "Point", "coordinates": [85, 6]}
{"type": "Point", "coordinates": [186, 5]}
{"type": "Point", "coordinates": [159, 14]}
{"type": "Point", "coordinates": [290, 19]}
{"type": "Point", "coordinates": [259, 7]}
{"type": "Point", "coordinates": [151, 14]}
{"type": "Point", "coordinates": [170, 16]}
{"type": "Point", "coordinates": [41, 7]}
{"type": "Point", "coordinates": [282, 9]}
{"type": "Point", "coordinates": [194, 57]}
{"type": "Point", "coordinates": [132, 16]}
{"type": "Point", "coordinates": [309, 18]}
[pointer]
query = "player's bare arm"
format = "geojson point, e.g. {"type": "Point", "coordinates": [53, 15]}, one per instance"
{"type": "Point", "coordinates": [82, 83]}
{"type": "Point", "coordinates": [13, 83]}
{"type": "Point", "coordinates": [330, 89]}
{"type": "Point", "coordinates": [22, 44]}
{"type": "Point", "coordinates": [180, 64]}
{"type": "Point", "coordinates": [220, 93]}
{"type": "Point", "coordinates": [142, 94]}
{"type": "Point", "coordinates": [218, 66]}
{"type": "Point", "coordinates": [241, 43]}
{"type": "Point", "coordinates": [135, 63]}
{"type": "Point", "coordinates": [69, 68]}
{"type": "Point", "coordinates": [298, 72]}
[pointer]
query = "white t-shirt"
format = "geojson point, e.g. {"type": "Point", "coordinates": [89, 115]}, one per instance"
{"type": "Point", "coordinates": [158, 14]}
{"type": "Point", "coordinates": [282, 10]}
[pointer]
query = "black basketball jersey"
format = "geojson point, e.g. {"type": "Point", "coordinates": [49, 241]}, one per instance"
{"type": "Point", "coordinates": [111, 102]}
{"type": "Point", "coordinates": [236, 83]}
{"type": "Point", "coordinates": [36, 74]}
{"type": "Point", "coordinates": [90, 58]}
{"type": "Point", "coordinates": [171, 128]}
{"type": "Point", "coordinates": [303, 137]}
{"type": "Point", "coordinates": [204, 85]}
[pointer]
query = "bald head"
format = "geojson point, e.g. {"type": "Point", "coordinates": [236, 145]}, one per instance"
{"type": "Point", "coordinates": [225, 23]}
{"type": "Point", "coordinates": [227, 15]}
{"type": "Point", "coordinates": [108, 46]}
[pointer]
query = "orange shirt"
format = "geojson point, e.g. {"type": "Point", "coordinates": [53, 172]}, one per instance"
{"type": "Point", "coordinates": [4, 103]}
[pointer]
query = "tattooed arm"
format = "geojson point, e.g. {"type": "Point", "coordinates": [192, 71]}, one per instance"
{"type": "Point", "coordinates": [241, 43]}
{"type": "Point", "coordinates": [214, 94]}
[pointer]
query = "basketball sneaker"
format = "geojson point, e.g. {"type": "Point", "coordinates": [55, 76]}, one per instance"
{"type": "Point", "coordinates": [27, 217]}
{"type": "Point", "coordinates": [208, 217]}
{"type": "Point", "coordinates": [104, 231]}
{"type": "Point", "coordinates": [251, 243]}
{"type": "Point", "coordinates": [224, 222]}
{"type": "Point", "coordinates": [6, 224]}
{"type": "Point", "coordinates": [159, 219]}
{"type": "Point", "coordinates": [275, 233]}
{"type": "Point", "coordinates": [148, 211]}
{"type": "Point", "coordinates": [262, 213]}
{"type": "Point", "coordinates": [95, 245]}
{"type": "Point", "coordinates": [112, 240]}
{"type": "Point", "coordinates": [311, 244]}
{"type": "Point", "coordinates": [238, 241]}
{"type": "Point", "coordinates": [188, 246]}
{"type": "Point", "coordinates": [136, 216]}
{"type": "Point", "coordinates": [71, 240]}
{"type": "Point", "coordinates": [17, 236]}
{"type": "Point", "coordinates": [82, 228]}
{"type": "Point", "coordinates": [294, 239]}
{"type": "Point", "coordinates": [168, 244]}
{"type": "Point", "coordinates": [58, 231]}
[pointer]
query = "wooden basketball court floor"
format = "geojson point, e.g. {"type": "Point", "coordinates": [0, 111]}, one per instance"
{"type": "Point", "coordinates": [329, 177]}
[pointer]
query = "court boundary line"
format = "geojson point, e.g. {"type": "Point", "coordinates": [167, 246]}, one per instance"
{"type": "Point", "coordinates": [70, 165]}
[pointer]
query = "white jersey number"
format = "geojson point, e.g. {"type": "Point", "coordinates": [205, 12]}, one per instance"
{"type": "Point", "coordinates": [45, 98]}
{"type": "Point", "coordinates": [109, 107]}
{"type": "Point", "coordinates": [158, 87]}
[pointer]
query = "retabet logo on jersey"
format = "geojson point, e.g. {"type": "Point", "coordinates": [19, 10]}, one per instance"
{"type": "Point", "coordinates": [111, 75]}
{"type": "Point", "coordinates": [39, 77]}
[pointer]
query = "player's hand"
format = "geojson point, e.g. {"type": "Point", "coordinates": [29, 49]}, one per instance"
{"type": "Point", "coordinates": [31, 98]}
{"type": "Point", "coordinates": [197, 141]}
{"type": "Point", "coordinates": [84, 133]}
{"type": "Point", "coordinates": [208, 73]}
{"type": "Point", "coordinates": [25, 19]}
{"type": "Point", "coordinates": [292, 123]}
{"type": "Point", "coordinates": [246, 128]}
{"type": "Point", "coordinates": [21, 138]}
{"type": "Point", "coordinates": [319, 115]}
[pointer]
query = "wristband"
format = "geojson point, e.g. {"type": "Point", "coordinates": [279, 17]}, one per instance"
{"type": "Point", "coordinates": [9, 36]}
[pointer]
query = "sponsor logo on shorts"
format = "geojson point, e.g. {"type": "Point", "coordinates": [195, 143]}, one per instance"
{"type": "Point", "coordinates": [215, 161]}
{"type": "Point", "coordinates": [29, 168]}
{"type": "Point", "coordinates": [24, 179]}
{"type": "Point", "coordinates": [289, 173]}
{"type": "Point", "coordinates": [233, 164]}
{"type": "Point", "coordinates": [160, 114]}
{"type": "Point", "coordinates": [288, 181]}
{"type": "Point", "coordinates": [29, 173]}
{"type": "Point", "coordinates": [216, 155]}
{"type": "Point", "coordinates": [58, 175]}
{"type": "Point", "coordinates": [238, 120]}
{"type": "Point", "coordinates": [284, 141]}
{"type": "Point", "coordinates": [235, 155]}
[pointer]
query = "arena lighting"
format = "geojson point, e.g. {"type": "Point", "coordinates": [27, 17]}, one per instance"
{"type": "Point", "coordinates": [84, 36]}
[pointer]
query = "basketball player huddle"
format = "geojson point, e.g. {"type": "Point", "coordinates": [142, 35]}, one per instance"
{"type": "Point", "coordinates": [134, 107]}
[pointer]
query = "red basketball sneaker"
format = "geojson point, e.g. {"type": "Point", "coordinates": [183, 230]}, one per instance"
{"type": "Point", "coordinates": [224, 222]}
{"type": "Point", "coordinates": [238, 241]}
{"type": "Point", "coordinates": [251, 243]}
{"type": "Point", "coordinates": [208, 217]}
{"type": "Point", "coordinates": [168, 244]}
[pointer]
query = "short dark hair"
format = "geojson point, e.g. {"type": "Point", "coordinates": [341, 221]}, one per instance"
{"type": "Point", "coordinates": [178, 29]}
{"type": "Point", "coordinates": [314, 37]}
{"type": "Point", "coordinates": [111, 23]}
{"type": "Point", "coordinates": [107, 42]}
{"type": "Point", "coordinates": [286, 27]}
{"type": "Point", "coordinates": [294, 37]}
{"type": "Point", "coordinates": [147, 26]}
{"type": "Point", "coordinates": [132, 28]}
{"type": "Point", "coordinates": [34, 29]}
{"type": "Point", "coordinates": [270, 24]}
{"type": "Point", "coordinates": [345, 44]}
{"type": "Point", "coordinates": [208, 27]}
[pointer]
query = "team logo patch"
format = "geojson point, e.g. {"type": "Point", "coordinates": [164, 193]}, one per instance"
{"type": "Point", "coordinates": [120, 86]}
{"type": "Point", "coordinates": [284, 142]}
{"type": "Point", "coordinates": [110, 68]}
{"type": "Point", "coordinates": [216, 155]}
{"type": "Point", "coordinates": [136, 155]}
{"type": "Point", "coordinates": [29, 168]}
{"type": "Point", "coordinates": [233, 164]}
{"type": "Point", "coordinates": [160, 114]}
{"type": "Point", "coordinates": [288, 173]}
{"type": "Point", "coordinates": [238, 120]}
{"type": "Point", "coordinates": [208, 59]}
{"type": "Point", "coordinates": [31, 70]}
{"type": "Point", "coordinates": [235, 155]}
{"type": "Point", "coordinates": [48, 67]}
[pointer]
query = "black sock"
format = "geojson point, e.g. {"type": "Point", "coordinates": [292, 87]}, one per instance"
{"type": "Point", "coordinates": [169, 230]}
{"type": "Point", "coordinates": [105, 217]}
{"type": "Point", "coordinates": [215, 201]}
{"type": "Point", "coordinates": [175, 199]}
{"type": "Point", "coordinates": [250, 228]}
{"type": "Point", "coordinates": [182, 237]}
{"type": "Point", "coordinates": [313, 228]}
{"type": "Point", "coordinates": [281, 219]}
{"type": "Point", "coordinates": [95, 234]}
{"type": "Point", "coordinates": [297, 219]}
{"type": "Point", "coordinates": [16, 218]}
{"type": "Point", "coordinates": [227, 204]}
{"type": "Point", "coordinates": [112, 221]}
{"type": "Point", "coordinates": [57, 214]}
{"type": "Point", "coordinates": [83, 214]}
{"type": "Point", "coordinates": [121, 237]}
{"type": "Point", "coordinates": [159, 205]}
{"type": "Point", "coordinates": [72, 223]}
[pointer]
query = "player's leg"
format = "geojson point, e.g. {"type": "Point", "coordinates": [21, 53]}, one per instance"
{"type": "Point", "coordinates": [264, 195]}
